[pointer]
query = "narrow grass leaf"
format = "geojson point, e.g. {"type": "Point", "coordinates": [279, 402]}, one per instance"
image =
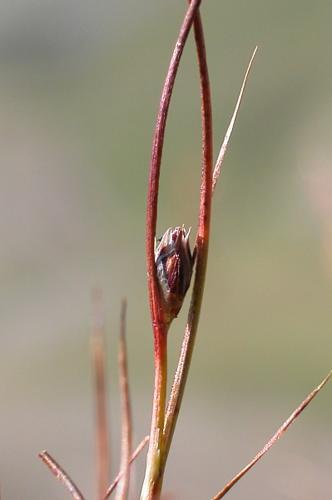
{"type": "Point", "coordinates": [274, 438]}
{"type": "Point", "coordinates": [60, 474]}
{"type": "Point", "coordinates": [222, 152]}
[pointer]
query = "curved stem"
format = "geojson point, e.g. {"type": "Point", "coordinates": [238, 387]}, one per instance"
{"type": "Point", "coordinates": [157, 147]}
{"type": "Point", "coordinates": [202, 241]}
{"type": "Point", "coordinates": [61, 474]}
{"type": "Point", "coordinates": [153, 479]}
{"type": "Point", "coordinates": [276, 436]}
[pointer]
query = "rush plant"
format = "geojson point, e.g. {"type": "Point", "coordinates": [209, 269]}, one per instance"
{"type": "Point", "coordinates": [171, 266]}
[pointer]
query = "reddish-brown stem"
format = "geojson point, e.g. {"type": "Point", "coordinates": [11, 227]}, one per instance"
{"type": "Point", "coordinates": [153, 479]}
{"type": "Point", "coordinates": [98, 349]}
{"type": "Point", "coordinates": [60, 474]}
{"type": "Point", "coordinates": [153, 186]}
{"type": "Point", "coordinates": [126, 420]}
{"type": "Point", "coordinates": [202, 241]}
{"type": "Point", "coordinates": [284, 427]}
{"type": "Point", "coordinates": [137, 451]}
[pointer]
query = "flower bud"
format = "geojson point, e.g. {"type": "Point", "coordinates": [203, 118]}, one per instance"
{"type": "Point", "coordinates": [174, 264]}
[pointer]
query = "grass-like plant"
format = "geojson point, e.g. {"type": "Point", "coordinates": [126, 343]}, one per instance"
{"type": "Point", "coordinates": [170, 266]}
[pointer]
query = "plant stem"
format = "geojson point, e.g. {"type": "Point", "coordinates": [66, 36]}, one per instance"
{"type": "Point", "coordinates": [98, 353]}
{"type": "Point", "coordinates": [153, 476]}
{"type": "Point", "coordinates": [61, 474]}
{"type": "Point", "coordinates": [126, 420]}
{"type": "Point", "coordinates": [134, 455]}
{"type": "Point", "coordinates": [202, 241]}
{"type": "Point", "coordinates": [276, 436]}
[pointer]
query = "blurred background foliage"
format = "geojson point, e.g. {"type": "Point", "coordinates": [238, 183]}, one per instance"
{"type": "Point", "coordinates": [79, 88]}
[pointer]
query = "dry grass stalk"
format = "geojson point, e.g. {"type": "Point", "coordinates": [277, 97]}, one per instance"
{"type": "Point", "coordinates": [98, 353]}
{"type": "Point", "coordinates": [223, 149]}
{"type": "Point", "coordinates": [279, 433]}
{"type": "Point", "coordinates": [135, 454]}
{"type": "Point", "coordinates": [126, 419]}
{"type": "Point", "coordinates": [61, 474]}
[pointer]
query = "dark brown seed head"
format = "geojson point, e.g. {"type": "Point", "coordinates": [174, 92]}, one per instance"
{"type": "Point", "coordinates": [174, 268]}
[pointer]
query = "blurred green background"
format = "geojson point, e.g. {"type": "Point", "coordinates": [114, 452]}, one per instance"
{"type": "Point", "coordinates": [79, 88]}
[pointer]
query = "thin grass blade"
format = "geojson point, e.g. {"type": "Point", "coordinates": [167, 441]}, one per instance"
{"type": "Point", "coordinates": [126, 419]}
{"type": "Point", "coordinates": [135, 454]}
{"type": "Point", "coordinates": [61, 474]}
{"type": "Point", "coordinates": [98, 350]}
{"type": "Point", "coordinates": [220, 159]}
{"type": "Point", "coordinates": [274, 438]}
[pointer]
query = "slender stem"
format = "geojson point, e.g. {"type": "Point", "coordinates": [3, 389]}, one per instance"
{"type": "Point", "coordinates": [157, 147]}
{"type": "Point", "coordinates": [126, 419]}
{"type": "Point", "coordinates": [135, 454]}
{"type": "Point", "coordinates": [153, 479]}
{"type": "Point", "coordinates": [202, 241]}
{"type": "Point", "coordinates": [61, 474]}
{"type": "Point", "coordinates": [278, 434]}
{"type": "Point", "coordinates": [223, 149]}
{"type": "Point", "coordinates": [98, 350]}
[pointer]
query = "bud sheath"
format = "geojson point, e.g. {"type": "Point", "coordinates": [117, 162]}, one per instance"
{"type": "Point", "coordinates": [174, 264]}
